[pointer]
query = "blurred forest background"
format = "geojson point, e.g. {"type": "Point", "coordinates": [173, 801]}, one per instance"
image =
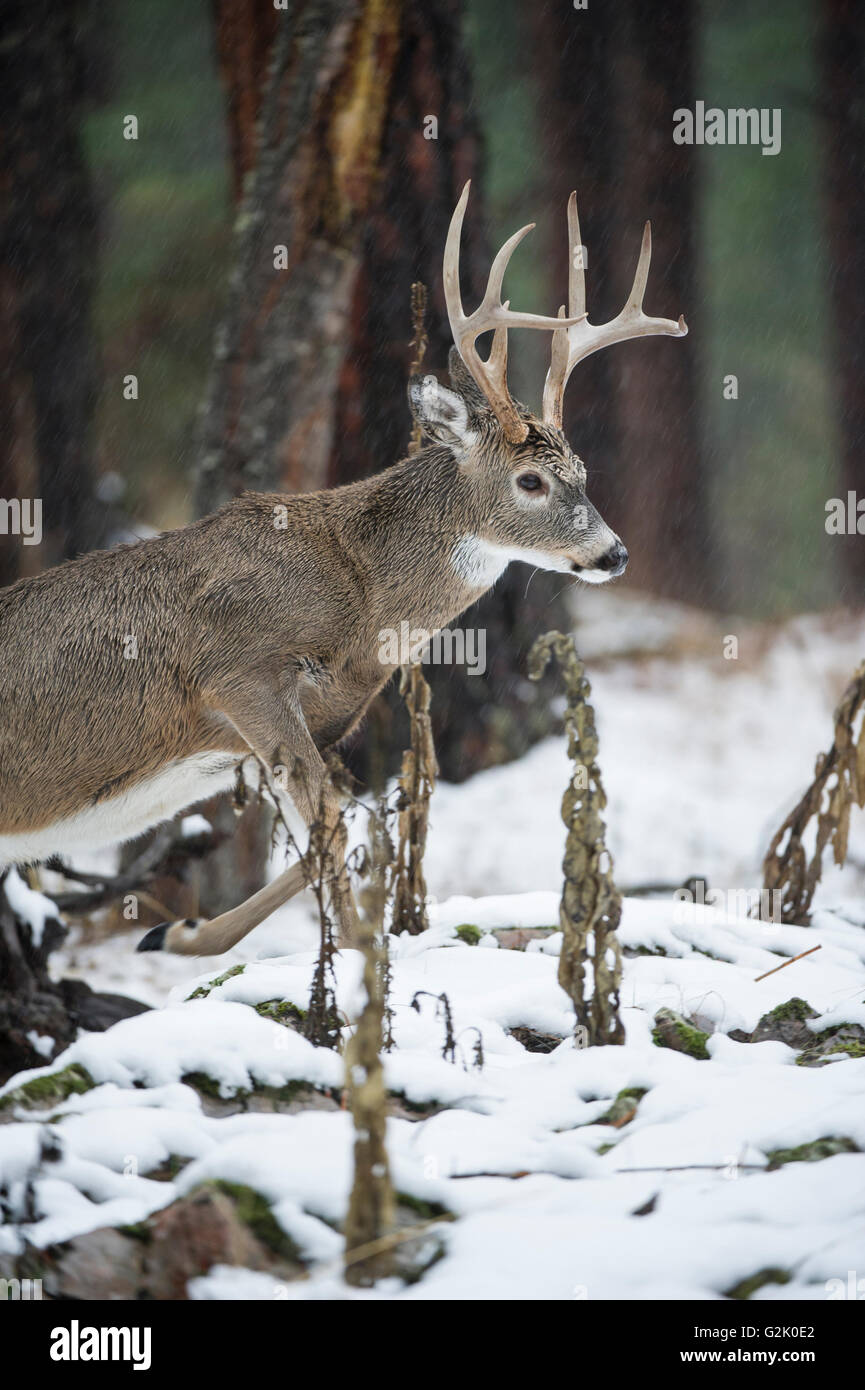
{"type": "Point", "coordinates": [134, 256]}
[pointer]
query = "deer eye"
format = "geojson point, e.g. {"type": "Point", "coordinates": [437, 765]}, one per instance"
{"type": "Point", "coordinates": [530, 482]}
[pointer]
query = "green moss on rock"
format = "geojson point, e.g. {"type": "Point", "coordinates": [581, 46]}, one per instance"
{"type": "Point", "coordinates": [673, 1031]}
{"type": "Point", "coordinates": [746, 1287]}
{"type": "Point", "coordinates": [279, 1095]}
{"type": "Point", "coordinates": [167, 1171]}
{"type": "Point", "coordinates": [850, 1049]}
{"type": "Point", "coordinates": [846, 1038]}
{"type": "Point", "coordinates": [811, 1152]}
{"type": "Point", "coordinates": [469, 933]}
{"type": "Point", "coordinates": [203, 990]}
{"type": "Point", "coordinates": [50, 1089]}
{"type": "Point", "coordinates": [623, 1105]}
{"type": "Point", "coordinates": [794, 1008]}
{"type": "Point", "coordinates": [420, 1207]}
{"type": "Point", "coordinates": [281, 1011]}
{"type": "Point", "coordinates": [416, 1107]}
{"type": "Point", "coordinates": [254, 1211]}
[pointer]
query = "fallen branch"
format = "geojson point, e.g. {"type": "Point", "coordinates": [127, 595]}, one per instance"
{"type": "Point", "coordinates": [701, 1168]}
{"type": "Point", "coordinates": [785, 963]}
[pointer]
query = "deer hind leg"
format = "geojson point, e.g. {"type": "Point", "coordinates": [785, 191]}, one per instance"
{"type": "Point", "coordinates": [278, 735]}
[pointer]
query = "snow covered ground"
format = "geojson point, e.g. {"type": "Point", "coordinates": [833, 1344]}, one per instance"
{"type": "Point", "coordinates": [691, 1192]}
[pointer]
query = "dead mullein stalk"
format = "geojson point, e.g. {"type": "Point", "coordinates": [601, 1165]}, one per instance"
{"type": "Point", "coordinates": [419, 346]}
{"type": "Point", "coordinates": [838, 785]}
{"type": "Point", "coordinates": [591, 905]}
{"type": "Point", "coordinates": [418, 773]}
{"type": "Point", "coordinates": [371, 1207]}
{"type": "Point", "coordinates": [323, 1023]}
{"type": "Point", "coordinates": [416, 784]}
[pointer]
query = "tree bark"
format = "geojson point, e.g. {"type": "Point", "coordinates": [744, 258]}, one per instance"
{"type": "Point", "coordinates": [842, 64]}
{"type": "Point", "coordinates": [611, 79]}
{"type": "Point", "coordinates": [574, 57]}
{"type": "Point", "coordinates": [269, 417]}
{"type": "Point", "coordinates": [48, 232]}
{"type": "Point", "coordinates": [48, 383]}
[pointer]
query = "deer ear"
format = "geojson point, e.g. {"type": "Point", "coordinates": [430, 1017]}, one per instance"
{"type": "Point", "coordinates": [464, 383]}
{"type": "Point", "coordinates": [441, 414]}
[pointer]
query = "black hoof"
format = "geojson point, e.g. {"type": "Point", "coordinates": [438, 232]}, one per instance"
{"type": "Point", "coordinates": [154, 940]}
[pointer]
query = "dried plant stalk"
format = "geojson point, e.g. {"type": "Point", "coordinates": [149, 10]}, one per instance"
{"type": "Point", "coordinates": [416, 782]}
{"type": "Point", "coordinates": [591, 905]}
{"type": "Point", "coordinates": [419, 346]}
{"type": "Point", "coordinates": [322, 1024]}
{"type": "Point", "coordinates": [838, 785]}
{"type": "Point", "coordinates": [371, 1208]}
{"type": "Point", "coordinates": [419, 767]}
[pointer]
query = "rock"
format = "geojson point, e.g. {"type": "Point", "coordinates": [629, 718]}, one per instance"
{"type": "Point", "coordinates": [93, 1012]}
{"type": "Point", "coordinates": [787, 1024]}
{"type": "Point", "coordinates": [42, 1092]}
{"type": "Point", "coordinates": [101, 1264]}
{"type": "Point", "coordinates": [648, 1207]}
{"type": "Point", "coordinates": [746, 1287]}
{"type": "Point", "coordinates": [673, 1031]}
{"type": "Point", "coordinates": [812, 1152]}
{"type": "Point", "coordinates": [846, 1040]}
{"type": "Point", "coordinates": [218, 1223]}
{"type": "Point", "coordinates": [518, 938]}
{"type": "Point", "coordinates": [533, 1041]}
{"type": "Point", "coordinates": [623, 1108]}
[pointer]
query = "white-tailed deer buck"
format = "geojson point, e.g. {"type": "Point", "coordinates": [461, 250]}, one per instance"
{"type": "Point", "coordinates": [132, 681]}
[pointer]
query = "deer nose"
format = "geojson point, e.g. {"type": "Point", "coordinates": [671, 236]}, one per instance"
{"type": "Point", "coordinates": [615, 560]}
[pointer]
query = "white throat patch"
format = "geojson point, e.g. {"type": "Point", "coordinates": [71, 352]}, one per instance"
{"type": "Point", "coordinates": [480, 563]}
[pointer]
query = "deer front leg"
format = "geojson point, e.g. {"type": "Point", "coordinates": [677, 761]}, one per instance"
{"type": "Point", "coordinates": [274, 729]}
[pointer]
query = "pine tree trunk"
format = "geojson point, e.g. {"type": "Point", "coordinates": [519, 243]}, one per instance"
{"type": "Point", "coordinates": [842, 58]}
{"type": "Point", "coordinates": [48, 231]}
{"type": "Point", "coordinates": [611, 78]}
{"type": "Point", "coordinates": [577, 120]}
{"type": "Point", "coordinates": [269, 418]}
{"type": "Point", "coordinates": [48, 381]}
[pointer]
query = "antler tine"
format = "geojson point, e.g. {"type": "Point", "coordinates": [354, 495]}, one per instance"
{"type": "Point", "coordinates": [583, 338]}
{"type": "Point", "coordinates": [557, 376]}
{"type": "Point", "coordinates": [492, 299]}
{"type": "Point", "coordinates": [576, 269]}
{"type": "Point", "coordinates": [498, 359]}
{"type": "Point", "coordinates": [451, 262]}
{"type": "Point", "coordinates": [490, 375]}
{"type": "Point", "coordinates": [641, 274]}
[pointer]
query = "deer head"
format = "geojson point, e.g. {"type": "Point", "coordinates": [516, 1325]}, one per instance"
{"type": "Point", "coordinates": [525, 485]}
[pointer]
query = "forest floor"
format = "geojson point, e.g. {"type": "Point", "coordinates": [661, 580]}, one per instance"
{"type": "Point", "coordinates": [719, 1156]}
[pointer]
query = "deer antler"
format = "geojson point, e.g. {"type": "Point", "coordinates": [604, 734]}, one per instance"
{"type": "Point", "coordinates": [579, 338]}
{"type": "Point", "coordinates": [491, 376]}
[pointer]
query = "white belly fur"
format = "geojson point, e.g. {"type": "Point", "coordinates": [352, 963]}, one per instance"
{"type": "Point", "coordinates": [122, 817]}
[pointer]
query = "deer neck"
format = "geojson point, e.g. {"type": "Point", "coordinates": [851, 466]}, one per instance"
{"type": "Point", "coordinates": [419, 535]}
